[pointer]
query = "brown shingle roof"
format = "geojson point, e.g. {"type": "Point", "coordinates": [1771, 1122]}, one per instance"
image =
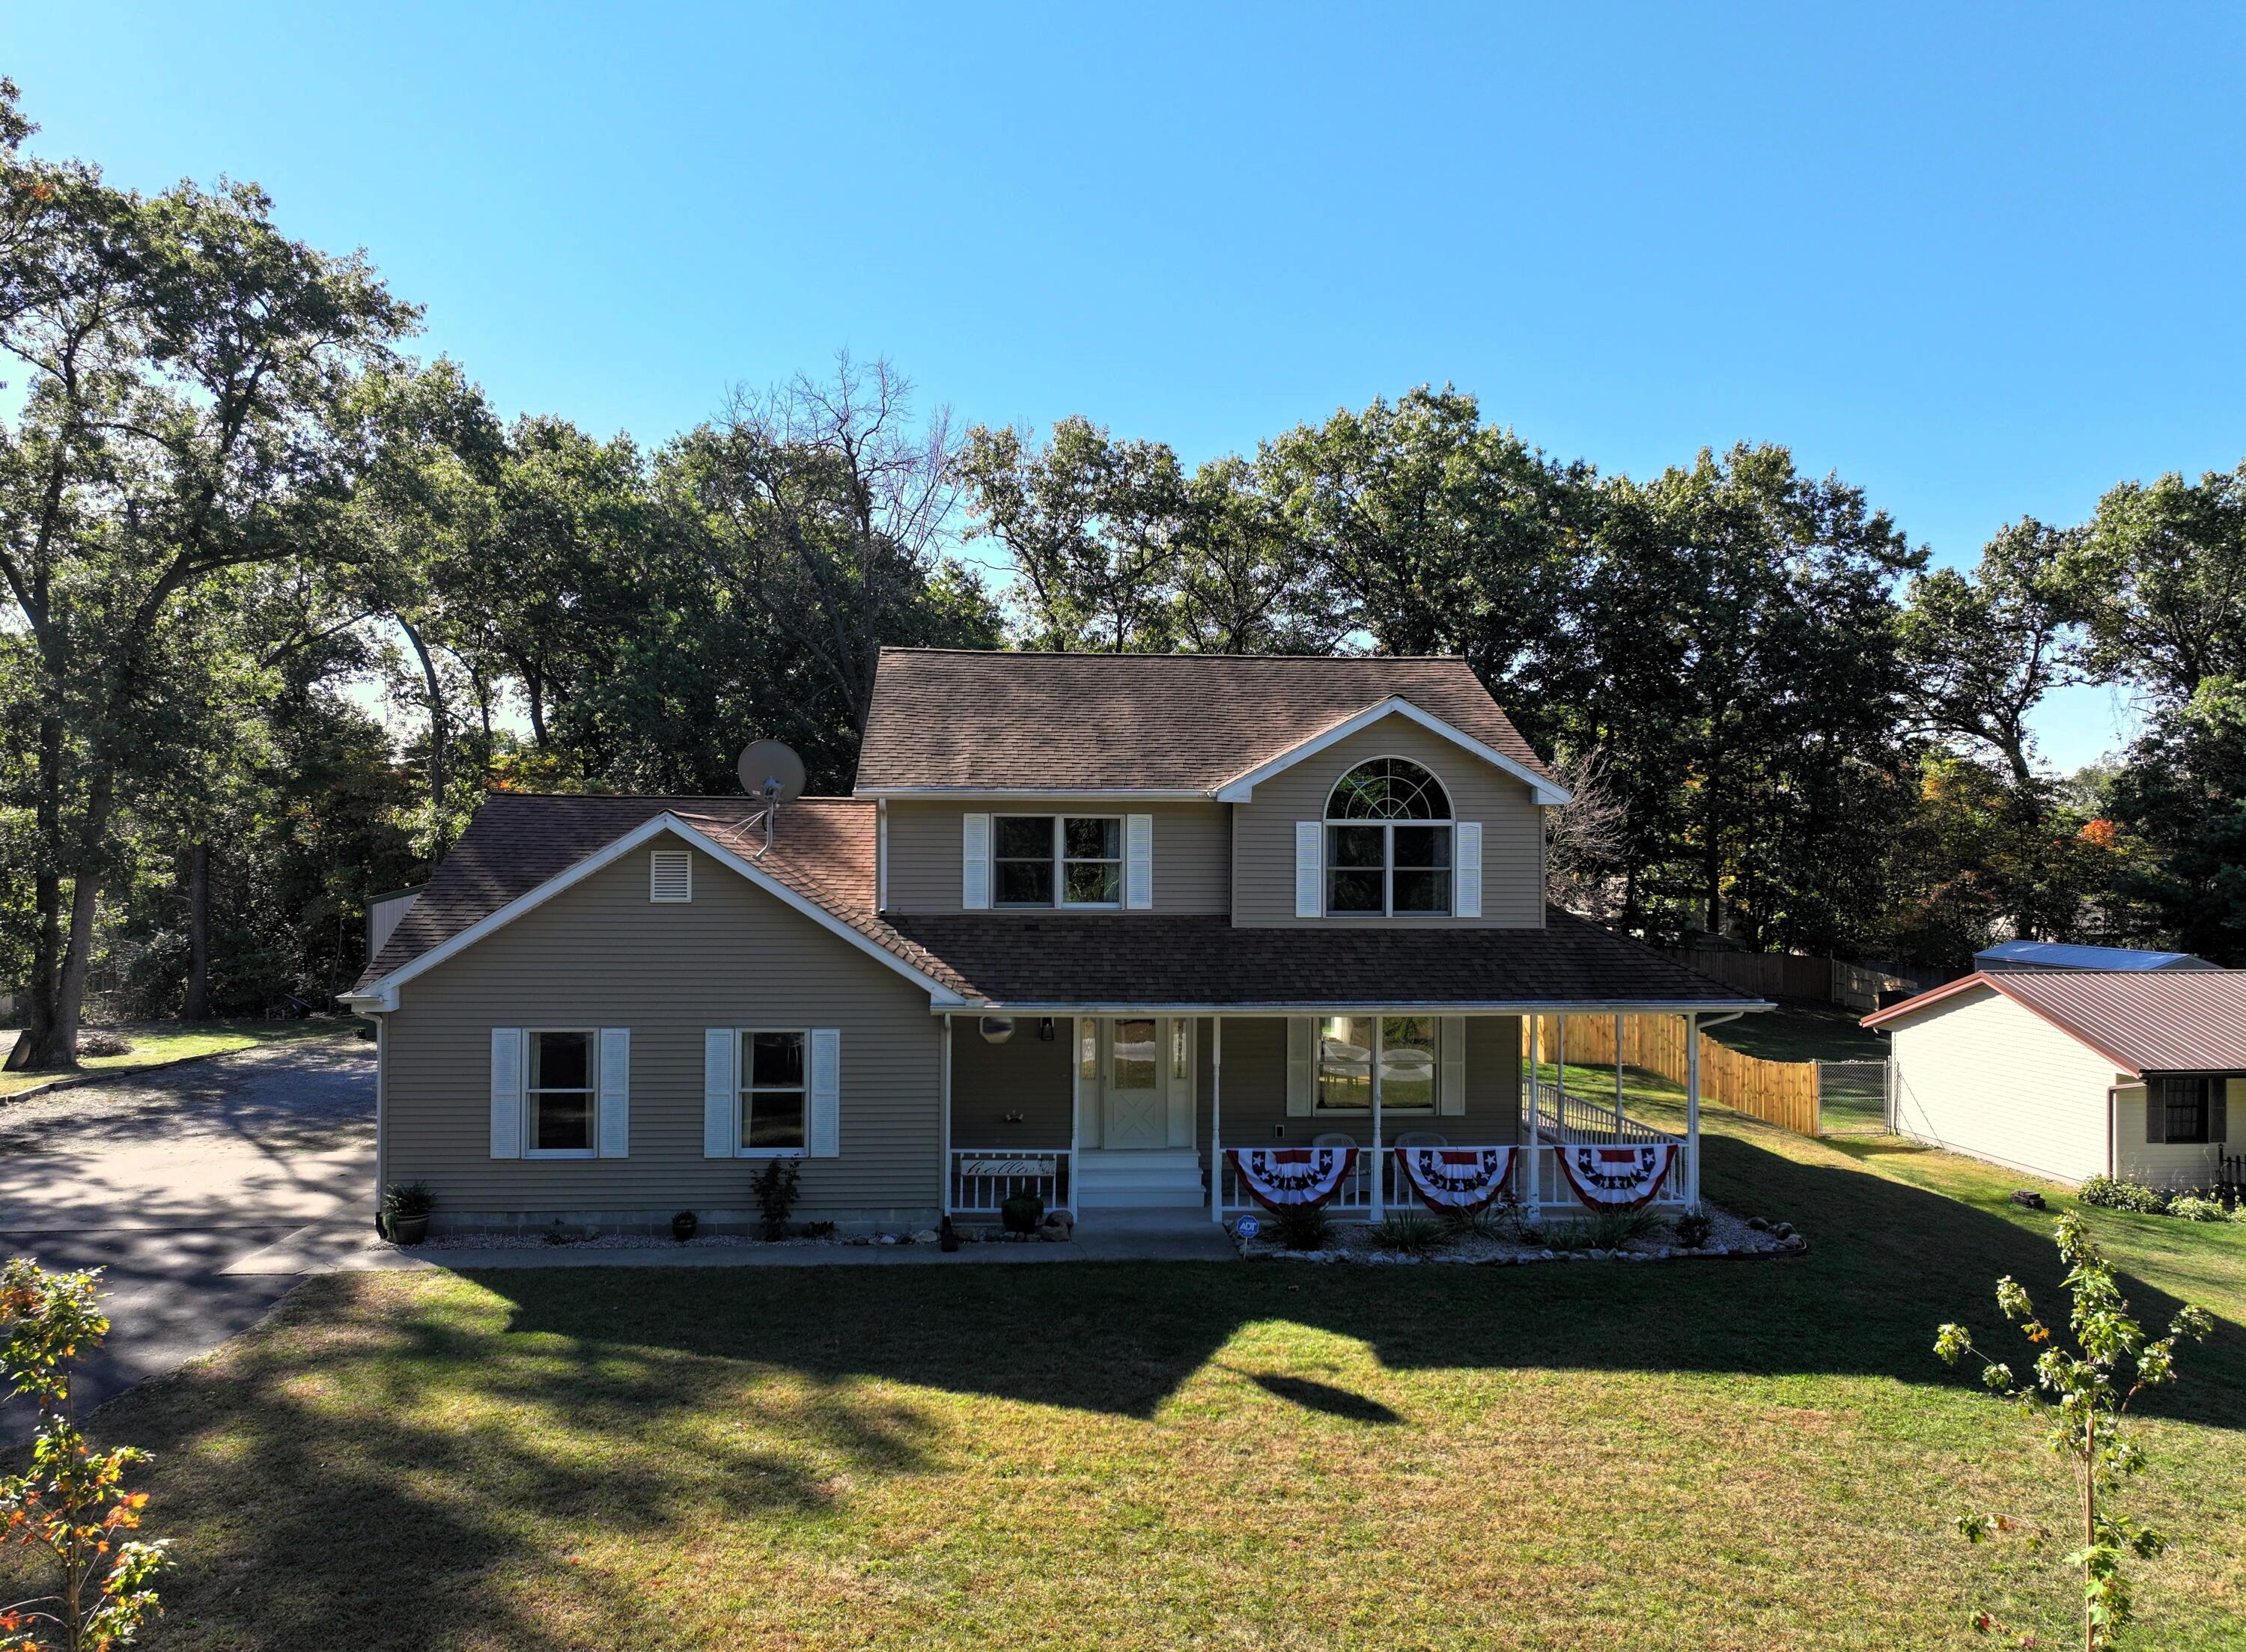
{"type": "Point", "coordinates": [2143, 1020]}
{"type": "Point", "coordinates": [1137, 722]}
{"type": "Point", "coordinates": [1134, 959]}
{"type": "Point", "coordinates": [822, 848]}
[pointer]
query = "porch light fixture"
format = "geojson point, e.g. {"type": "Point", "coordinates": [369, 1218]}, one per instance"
{"type": "Point", "coordinates": [1045, 1029]}
{"type": "Point", "coordinates": [997, 1029]}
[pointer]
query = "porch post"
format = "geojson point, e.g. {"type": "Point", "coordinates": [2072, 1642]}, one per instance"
{"type": "Point", "coordinates": [1617, 1078]}
{"type": "Point", "coordinates": [1075, 1108]}
{"type": "Point", "coordinates": [944, 1112]}
{"type": "Point", "coordinates": [1216, 1119]}
{"type": "Point", "coordinates": [1529, 1180]}
{"type": "Point", "coordinates": [1376, 1210]}
{"type": "Point", "coordinates": [1692, 1110]}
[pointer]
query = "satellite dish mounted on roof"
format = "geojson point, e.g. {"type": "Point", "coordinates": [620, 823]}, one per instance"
{"type": "Point", "coordinates": [771, 770]}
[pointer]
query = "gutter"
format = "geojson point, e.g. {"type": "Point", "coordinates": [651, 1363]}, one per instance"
{"type": "Point", "coordinates": [1438, 1007]}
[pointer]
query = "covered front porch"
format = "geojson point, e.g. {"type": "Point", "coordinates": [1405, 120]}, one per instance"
{"type": "Point", "coordinates": [1228, 1113]}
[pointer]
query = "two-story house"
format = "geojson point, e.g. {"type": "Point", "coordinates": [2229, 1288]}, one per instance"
{"type": "Point", "coordinates": [1132, 930]}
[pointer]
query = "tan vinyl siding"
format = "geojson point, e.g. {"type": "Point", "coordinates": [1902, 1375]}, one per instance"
{"type": "Point", "coordinates": [1023, 1075]}
{"type": "Point", "coordinates": [1255, 1101]}
{"type": "Point", "coordinates": [1191, 865]}
{"type": "Point", "coordinates": [1512, 838]}
{"type": "Point", "coordinates": [601, 955]}
{"type": "Point", "coordinates": [1982, 1075]}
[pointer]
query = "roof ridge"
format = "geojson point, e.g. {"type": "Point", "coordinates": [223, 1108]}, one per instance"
{"type": "Point", "coordinates": [1195, 653]}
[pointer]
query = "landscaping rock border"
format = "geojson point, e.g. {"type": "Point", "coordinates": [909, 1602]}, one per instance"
{"type": "Point", "coordinates": [1730, 1238]}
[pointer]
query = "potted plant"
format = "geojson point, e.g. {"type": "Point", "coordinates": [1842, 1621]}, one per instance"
{"type": "Point", "coordinates": [406, 1207]}
{"type": "Point", "coordinates": [682, 1225]}
{"type": "Point", "coordinates": [1022, 1213]}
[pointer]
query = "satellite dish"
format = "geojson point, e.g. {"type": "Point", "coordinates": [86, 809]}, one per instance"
{"type": "Point", "coordinates": [771, 770]}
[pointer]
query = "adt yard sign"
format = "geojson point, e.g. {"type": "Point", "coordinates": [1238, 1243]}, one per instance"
{"type": "Point", "coordinates": [1247, 1228]}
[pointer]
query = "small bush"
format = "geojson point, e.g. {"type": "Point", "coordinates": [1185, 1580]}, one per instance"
{"type": "Point", "coordinates": [2112, 1193]}
{"type": "Point", "coordinates": [408, 1199]}
{"type": "Point", "coordinates": [774, 1186]}
{"type": "Point", "coordinates": [2193, 1208]}
{"type": "Point", "coordinates": [1410, 1233]}
{"type": "Point", "coordinates": [1488, 1222]}
{"type": "Point", "coordinates": [1022, 1213]}
{"type": "Point", "coordinates": [1603, 1230]}
{"type": "Point", "coordinates": [1692, 1228]}
{"type": "Point", "coordinates": [1302, 1227]}
{"type": "Point", "coordinates": [103, 1041]}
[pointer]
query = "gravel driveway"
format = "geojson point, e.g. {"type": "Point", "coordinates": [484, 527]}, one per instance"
{"type": "Point", "coordinates": [169, 1179]}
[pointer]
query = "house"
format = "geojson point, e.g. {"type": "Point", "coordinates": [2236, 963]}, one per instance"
{"type": "Point", "coordinates": [2058, 954]}
{"type": "Point", "coordinates": [2073, 1073]}
{"type": "Point", "coordinates": [1189, 931]}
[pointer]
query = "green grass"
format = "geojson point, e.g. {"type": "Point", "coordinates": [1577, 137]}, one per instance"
{"type": "Point", "coordinates": [154, 1043]}
{"type": "Point", "coordinates": [1706, 1455]}
{"type": "Point", "coordinates": [1796, 1032]}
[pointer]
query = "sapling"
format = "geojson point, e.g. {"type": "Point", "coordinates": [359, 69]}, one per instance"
{"type": "Point", "coordinates": [2085, 1394]}
{"type": "Point", "coordinates": [70, 1507]}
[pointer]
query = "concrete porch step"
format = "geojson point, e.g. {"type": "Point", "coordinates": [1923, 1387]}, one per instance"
{"type": "Point", "coordinates": [1158, 1177]}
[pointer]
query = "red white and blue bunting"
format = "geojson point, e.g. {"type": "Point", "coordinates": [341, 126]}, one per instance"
{"type": "Point", "coordinates": [1280, 1177]}
{"type": "Point", "coordinates": [1616, 1178]}
{"type": "Point", "coordinates": [1462, 1178]}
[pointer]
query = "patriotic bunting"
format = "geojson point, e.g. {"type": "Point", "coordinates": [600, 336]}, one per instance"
{"type": "Point", "coordinates": [1456, 1178]}
{"type": "Point", "coordinates": [1616, 1178]}
{"type": "Point", "coordinates": [1282, 1177]}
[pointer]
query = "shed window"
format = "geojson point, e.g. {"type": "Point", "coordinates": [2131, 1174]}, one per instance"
{"type": "Point", "coordinates": [2183, 1106]}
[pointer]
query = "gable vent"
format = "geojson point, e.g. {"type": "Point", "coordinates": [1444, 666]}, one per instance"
{"type": "Point", "coordinates": [670, 876]}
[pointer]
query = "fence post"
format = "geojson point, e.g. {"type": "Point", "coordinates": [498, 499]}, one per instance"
{"type": "Point", "coordinates": [1817, 1098]}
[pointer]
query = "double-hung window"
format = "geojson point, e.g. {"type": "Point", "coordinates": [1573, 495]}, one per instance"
{"type": "Point", "coordinates": [1349, 1047]}
{"type": "Point", "coordinates": [772, 1092]}
{"type": "Point", "coordinates": [2183, 1108]}
{"type": "Point", "coordinates": [1057, 859]}
{"type": "Point", "coordinates": [558, 1100]}
{"type": "Point", "coordinates": [1388, 842]}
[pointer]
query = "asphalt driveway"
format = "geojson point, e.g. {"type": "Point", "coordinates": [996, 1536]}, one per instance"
{"type": "Point", "coordinates": [169, 1179]}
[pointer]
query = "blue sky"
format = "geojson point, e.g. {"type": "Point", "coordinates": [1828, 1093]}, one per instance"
{"type": "Point", "coordinates": [1981, 261]}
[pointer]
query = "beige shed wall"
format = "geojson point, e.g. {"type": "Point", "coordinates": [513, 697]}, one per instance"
{"type": "Point", "coordinates": [1980, 1074]}
{"type": "Point", "coordinates": [600, 955]}
{"type": "Point", "coordinates": [1191, 863]}
{"type": "Point", "coordinates": [1512, 839]}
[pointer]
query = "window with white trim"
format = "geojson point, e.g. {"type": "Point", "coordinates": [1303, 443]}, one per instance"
{"type": "Point", "coordinates": [1056, 859]}
{"type": "Point", "coordinates": [1388, 842]}
{"type": "Point", "coordinates": [558, 1101]}
{"type": "Point", "coordinates": [774, 1089]}
{"type": "Point", "coordinates": [1404, 1046]}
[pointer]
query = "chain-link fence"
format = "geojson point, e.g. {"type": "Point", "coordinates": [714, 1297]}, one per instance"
{"type": "Point", "coordinates": [1852, 1098]}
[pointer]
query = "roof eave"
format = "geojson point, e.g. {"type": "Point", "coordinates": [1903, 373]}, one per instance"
{"type": "Point", "coordinates": [1241, 786]}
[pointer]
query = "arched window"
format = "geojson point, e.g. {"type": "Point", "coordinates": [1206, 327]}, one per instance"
{"type": "Point", "coordinates": [1388, 842]}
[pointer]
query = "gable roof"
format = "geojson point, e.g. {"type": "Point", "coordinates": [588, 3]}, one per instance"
{"type": "Point", "coordinates": [2059, 954]}
{"type": "Point", "coordinates": [2164, 1021]}
{"type": "Point", "coordinates": [522, 848]}
{"type": "Point", "coordinates": [1181, 724]}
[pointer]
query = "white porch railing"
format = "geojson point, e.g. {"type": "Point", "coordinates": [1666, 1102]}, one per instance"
{"type": "Point", "coordinates": [982, 1178]}
{"type": "Point", "coordinates": [1565, 1116]}
{"type": "Point", "coordinates": [1535, 1167]}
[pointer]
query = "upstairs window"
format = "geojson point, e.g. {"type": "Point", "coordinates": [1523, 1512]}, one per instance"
{"type": "Point", "coordinates": [1057, 859]}
{"type": "Point", "coordinates": [1388, 842]}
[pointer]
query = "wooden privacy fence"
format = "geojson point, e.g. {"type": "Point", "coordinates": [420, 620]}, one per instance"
{"type": "Point", "coordinates": [1786, 975]}
{"type": "Point", "coordinates": [1778, 1092]}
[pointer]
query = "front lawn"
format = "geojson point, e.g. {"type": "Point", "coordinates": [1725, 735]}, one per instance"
{"type": "Point", "coordinates": [1706, 1455]}
{"type": "Point", "coordinates": [157, 1041]}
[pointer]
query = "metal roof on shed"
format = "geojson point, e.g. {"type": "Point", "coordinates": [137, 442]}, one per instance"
{"type": "Point", "coordinates": [2062, 955]}
{"type": "Point", "coordinates": [2170, 1020]}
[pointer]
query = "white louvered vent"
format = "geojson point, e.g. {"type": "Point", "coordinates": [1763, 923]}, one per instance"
{"type": "Point", "coordinates": [670, 876]}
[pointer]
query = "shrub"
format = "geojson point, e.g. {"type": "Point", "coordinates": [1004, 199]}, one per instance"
{"type": "Point", "coordinates": [408, 1199]}
{"type": "Point", "coordinates": [1603, 1230]}
{"type": "Point", "coordinates": [69, 1506]}
{"type": "Point", "coordinates": [1302, 1227]}
{"type": "Point", "coordinates": [1692, 1228]}
{"type": "Point", "coordinates": [2112, 1193]}
{"type": "Point", "coordinates": [1488, 1222]}
{"type": "Point", "coordinates": [774, 1186]}
{"type": "Point", "coordinates": [1022, 1213]}
{"type": "Point", "coordinates": [1409, 1232]}
{"type": "Point", "coordinates": [103, 1041]}
{"type": "Point", "coordinates": [2193, 1208]}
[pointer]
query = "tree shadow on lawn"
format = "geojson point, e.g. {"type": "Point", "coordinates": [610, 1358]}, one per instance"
{"type": "Point", "coordinates": [1888, 1263]}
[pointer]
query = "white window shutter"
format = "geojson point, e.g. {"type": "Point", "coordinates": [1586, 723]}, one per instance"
{"type": "Point", "coordinates": [826, 1132]}
{"type": "Point", "coordinates": [1310, 869]}
{"type": "Point", "coordinates": [507, 1092]}
{"type": "Point", "coordinates": [721, 1095]}
{"type": "Point", "coordinates": [1302, 1074]}
{"type": "Point", "coordinates": [1465, 855]}
{"type": "Point", "coordinates": [1451, 1090]}
{"type": "Point", "coordinates": [614, 1111]}
{"type": "Point", "coordinates": [1139, 861]}
{"type": "Point", "coordinates": [975, 867]}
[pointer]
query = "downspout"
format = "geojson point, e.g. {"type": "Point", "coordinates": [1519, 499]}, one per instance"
{"type": "Point", "coordinates": [2114, 1129]}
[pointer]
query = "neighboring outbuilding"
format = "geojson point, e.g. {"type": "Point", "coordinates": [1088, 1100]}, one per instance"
{"type": "Point", "coordinates": [2071, 1073]}
{"type": "Point", "coordinates": [2066, 954]}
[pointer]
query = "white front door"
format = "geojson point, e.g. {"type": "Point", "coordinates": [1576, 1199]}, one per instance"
{"type": "Point", "coordinates": [1138, 1105]}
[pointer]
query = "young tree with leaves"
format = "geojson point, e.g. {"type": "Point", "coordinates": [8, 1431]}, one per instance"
{"type": "Point", "coordinates": [2084, 1393]}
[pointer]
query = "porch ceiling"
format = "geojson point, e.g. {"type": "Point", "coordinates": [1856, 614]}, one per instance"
{"type": "Point", "coordinates": [1041, 961]}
